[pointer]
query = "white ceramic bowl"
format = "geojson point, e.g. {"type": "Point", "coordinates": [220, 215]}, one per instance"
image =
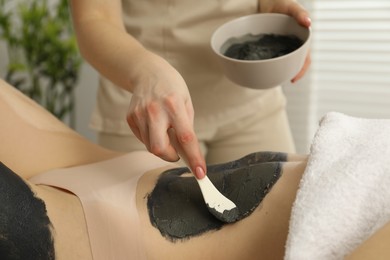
{"type": "Point", "coordinates": [261, 74]}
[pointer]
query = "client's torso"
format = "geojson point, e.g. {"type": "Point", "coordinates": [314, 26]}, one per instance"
{"type": "Point", "coordinates": [69, 228]}
{"type": "Point", "coordinates": [107, 193]}
{"type": "Point", "coordinates": [262, 234]}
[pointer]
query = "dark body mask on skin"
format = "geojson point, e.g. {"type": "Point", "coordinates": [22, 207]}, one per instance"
{"type": "Point", "coordinates": [176, 206]}
{"type": "Point", "coordinates": [25, 229]}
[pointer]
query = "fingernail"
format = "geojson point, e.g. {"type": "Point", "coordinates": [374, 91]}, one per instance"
{"type": "Point", "coordinates": [199, 173]}
{"type": "Point", "coordinates": [308, 21]}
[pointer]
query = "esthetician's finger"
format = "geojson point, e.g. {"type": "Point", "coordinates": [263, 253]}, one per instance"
{"type": "Point", "coordinates": [305, 67]}
{"type": "Point", "coordinates": [185, 140]}
{"type": "Point", "coordinates": [136, 120]}
{"type": "Point", "coordinates": [300, 14]}
{"type": "Point", "coordinates": [160, 144]}
{"type": "Point", "coordinates": [288, 7]}
{"type": "Point", "coordinates": [133, 126]}
{"type": "Point", "coordinates": [189, 152]}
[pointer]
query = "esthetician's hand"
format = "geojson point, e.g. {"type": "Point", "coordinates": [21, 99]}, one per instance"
{"type": "Point", "coordinates": [160, 96]}
{"type": "Point", "coordinates": [161, 102]}
{"type": "Point", "coordinates": [294, 9]}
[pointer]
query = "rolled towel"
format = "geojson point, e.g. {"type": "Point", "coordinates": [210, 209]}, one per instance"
{"type": "Point", "coordinates": [344, 194]}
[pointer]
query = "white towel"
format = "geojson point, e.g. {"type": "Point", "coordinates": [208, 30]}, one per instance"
{"type": "Point", "coordinates": [344, 195]}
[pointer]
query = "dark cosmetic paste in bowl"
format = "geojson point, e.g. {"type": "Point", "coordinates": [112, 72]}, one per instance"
{"type": "Point", "coordinates": [260, 47]}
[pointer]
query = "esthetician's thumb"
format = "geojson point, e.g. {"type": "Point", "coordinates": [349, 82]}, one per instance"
{"type": "Point", "coordinates": [300, 14]}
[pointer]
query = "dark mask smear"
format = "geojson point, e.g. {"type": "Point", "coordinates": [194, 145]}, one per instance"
{"type": "Point", "coordinates": [24, 225]}
{"type": "Point", "coordinates": [176, 206]}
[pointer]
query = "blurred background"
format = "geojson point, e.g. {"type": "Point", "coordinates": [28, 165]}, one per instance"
{"type": "Point", "coordinates": [350, 71]}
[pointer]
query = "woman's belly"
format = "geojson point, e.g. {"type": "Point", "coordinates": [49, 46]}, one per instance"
{"type": "Point", "coordinates": [261, 233]}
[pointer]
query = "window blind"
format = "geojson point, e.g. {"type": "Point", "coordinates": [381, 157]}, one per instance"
{"type": "Point", "coordinates": [350, 70]}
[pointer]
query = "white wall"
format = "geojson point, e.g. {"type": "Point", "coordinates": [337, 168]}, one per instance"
{"type": "Point", "coordinates": [85, 100]}
{"type": "Point", "coordinates": [299, 110]}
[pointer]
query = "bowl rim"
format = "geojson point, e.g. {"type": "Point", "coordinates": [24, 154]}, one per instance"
{"type": "Point", "coordinates": [307, 40]}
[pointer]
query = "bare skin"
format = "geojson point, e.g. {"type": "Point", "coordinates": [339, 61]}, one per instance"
{"type": "Point", "coordinates": [375, 247]}
{"type": "Point", "coordinates": [67, 217]}
{"type": "Point", "coordinates": [262, 234]}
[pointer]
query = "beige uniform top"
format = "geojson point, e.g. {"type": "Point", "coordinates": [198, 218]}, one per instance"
{"type": "Point", "coordinates": [180, 32]}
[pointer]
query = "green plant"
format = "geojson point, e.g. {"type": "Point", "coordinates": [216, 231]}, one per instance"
{"type": "Point", "coordinates": [43, 57]}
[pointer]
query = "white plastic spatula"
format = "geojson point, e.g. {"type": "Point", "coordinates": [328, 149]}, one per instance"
{"type": "Point", "coordinates": [220, 206]}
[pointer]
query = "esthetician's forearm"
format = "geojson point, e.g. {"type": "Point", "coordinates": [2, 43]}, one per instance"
{"type": "Point", "coordinates": [104, 43]}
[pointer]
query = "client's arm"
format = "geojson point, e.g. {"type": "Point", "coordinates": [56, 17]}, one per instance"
{"type": "Point", "coordinates": [33, 141]}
